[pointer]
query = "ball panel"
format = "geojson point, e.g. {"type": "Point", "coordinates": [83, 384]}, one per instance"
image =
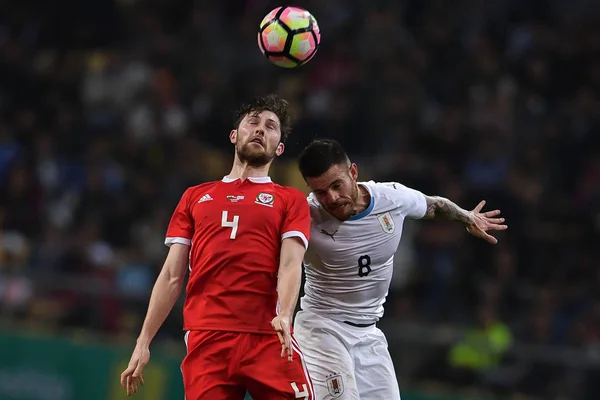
{"type": "Point", "coordinates": [274, 37]}
{"type": "Point", "coordinates": [302, 45]}
{"type": "Point", "coordinates": [269, 17]}
{"type": "Point", "coordinates": [260, 44]}
{"type": "Point", "coordinates": [282, 61]}
{"type": "Point", "coordinates": [316, 30]}
{"type": "Point", "coordinates": [295, 18]}
{"type": "Point", "coordinates": [310, 56]}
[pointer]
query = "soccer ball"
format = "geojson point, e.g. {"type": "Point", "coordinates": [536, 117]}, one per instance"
{"type": "Point", "coordinates": [289, 36]}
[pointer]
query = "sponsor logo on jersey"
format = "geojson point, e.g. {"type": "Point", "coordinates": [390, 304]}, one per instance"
{"type": "Point", "coordinates": [387, 223]}
{"type": "Point", "coordinates": [204, 198]}
{"type": "Point", "coordinates": [324, 232]}
{"type": "Point", "coordinates": [335, 385]}
{"type": "Point", "coordinates": [234, 199]}
{"type": "Point", "coordinates": [265, 199]}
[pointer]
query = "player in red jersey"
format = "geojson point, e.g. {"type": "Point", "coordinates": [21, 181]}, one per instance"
{"type": "Point", "coordinates": [245, 239]}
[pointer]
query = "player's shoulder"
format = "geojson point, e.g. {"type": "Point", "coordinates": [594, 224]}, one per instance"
{"type": "Point", "coordinates": [312, 201]}
{"type": "Point", "coordinates": [385, 187]}
{"type": "Point", "coordinates": [388, 192]}
{"type": "Point", "coordinates": [380, 189]}
{"type": "Point", "coordinates": [317, 212]}
{"type": "Point", "coordinates": [288, 192]}
{"type": "Point", "coordinates": [202, 187]}
{"type": "Point", "coordinates": [199, 191]}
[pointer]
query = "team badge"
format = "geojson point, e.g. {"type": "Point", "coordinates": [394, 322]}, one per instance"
{"type": "Point", "coordinates": [387, 223]}
{"type": "Point", "coordinates": [335, 385]}
{"type": "Point", "coordinates": [265, 199]}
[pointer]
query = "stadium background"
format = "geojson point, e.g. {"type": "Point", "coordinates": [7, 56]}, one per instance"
{"type": "Point", "coordinates": [110, 109]}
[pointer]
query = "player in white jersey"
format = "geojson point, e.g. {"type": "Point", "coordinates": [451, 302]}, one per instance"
{"type": "Point", "coordinates": [356, 229]}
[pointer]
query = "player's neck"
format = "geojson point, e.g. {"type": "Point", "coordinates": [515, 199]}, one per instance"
{"type": "Point", "coordinates": [242, 170]}
{"type": "Point", "coordinates": [363, 201]}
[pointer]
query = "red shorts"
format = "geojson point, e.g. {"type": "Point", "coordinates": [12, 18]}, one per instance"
{"type": "Point", "coordinates": [223, 365]}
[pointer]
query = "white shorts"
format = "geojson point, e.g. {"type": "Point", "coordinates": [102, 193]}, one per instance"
{"type": "Point", "coordinates": [344, 361]}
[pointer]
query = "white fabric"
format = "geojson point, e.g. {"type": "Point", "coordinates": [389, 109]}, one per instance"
{"type": "Point", "coordinates": [352, 275]}
{"type": "Point", "coordinates": [346, 362]}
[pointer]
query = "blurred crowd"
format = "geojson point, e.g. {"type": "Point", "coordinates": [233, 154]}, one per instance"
{"type": "Point", "coordinates": [110, 109]}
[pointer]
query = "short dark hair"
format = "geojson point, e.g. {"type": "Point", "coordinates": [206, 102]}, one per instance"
{"type": "Point", "coordinates": [319, 156]}
{"type": "Point", "coordinates": [270, 102]}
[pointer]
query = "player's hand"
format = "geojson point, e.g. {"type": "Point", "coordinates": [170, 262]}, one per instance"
{"type": "Point", "coordinates": [481, 223]}
{"type": "Point", "coordinates": [133, 374]}
{"type": "Point", "coordinates": [282, 326]}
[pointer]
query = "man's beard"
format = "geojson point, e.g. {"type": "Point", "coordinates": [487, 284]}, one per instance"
{"type": "Point", "coordinates": [253, 158]}
{"type": "Point", "coordinates": [354, 197]}
{"type": "Point", "coordinates": [352, 202]}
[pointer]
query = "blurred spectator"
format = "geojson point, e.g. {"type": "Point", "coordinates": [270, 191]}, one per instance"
{"type": "Point", "coordinates": [109, 110]}
{"type": "Point", "coordinates": [481, 349]}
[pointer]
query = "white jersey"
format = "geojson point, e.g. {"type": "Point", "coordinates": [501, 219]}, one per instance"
{"type": "Point", "coordinates": [351, 278]}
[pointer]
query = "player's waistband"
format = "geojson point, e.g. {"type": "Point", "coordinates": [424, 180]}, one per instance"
{"type": "Point", "coordinates": [330, 314]}
{"type": "Point", "coordinates": [359, 325]}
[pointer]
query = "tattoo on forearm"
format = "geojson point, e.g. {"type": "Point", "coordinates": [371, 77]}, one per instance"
{"type": "Point", "coordinates": [442, 208]}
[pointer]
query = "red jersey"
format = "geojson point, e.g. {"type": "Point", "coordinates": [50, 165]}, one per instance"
{"type": "Point", "coordinates": [235, 229]}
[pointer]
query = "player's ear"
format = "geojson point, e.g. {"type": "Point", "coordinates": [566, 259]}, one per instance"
{"type": "Point", "coordinates": [354, 171]}
{"type": "Point", "coordinates": [233, 136]}
{"type": "Point", "coordinates": [280, 148]}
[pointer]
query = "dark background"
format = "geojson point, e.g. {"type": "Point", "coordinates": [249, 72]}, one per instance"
{"type": "Point", "coordinates": [110, 109]}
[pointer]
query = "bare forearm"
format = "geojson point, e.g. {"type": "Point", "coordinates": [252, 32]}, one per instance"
{"type": "Point", "coordinates": [442, 208]}
{"type": "Point", "coordinates": [288, 288]}
{"type": "Point", "coordinates": [164, 295]}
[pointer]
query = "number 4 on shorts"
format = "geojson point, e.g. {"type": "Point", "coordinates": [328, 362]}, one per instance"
{"type": "Point", "coordinates": [300, 394]}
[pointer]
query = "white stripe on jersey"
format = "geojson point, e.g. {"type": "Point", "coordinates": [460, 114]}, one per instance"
{"type": "Point", "coordinates": [351, 278]}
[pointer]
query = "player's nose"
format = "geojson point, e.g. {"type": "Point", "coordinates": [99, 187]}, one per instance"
{"type": "Point", "coordinates": [260, 130]}
{"type": "Point", "coordinates": [332, 196]}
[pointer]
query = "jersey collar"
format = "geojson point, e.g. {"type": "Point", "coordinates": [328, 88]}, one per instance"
{"type": "Point", "coordinates": [369, 208]}
{"type": "Point", "coordinates": [261, 179]}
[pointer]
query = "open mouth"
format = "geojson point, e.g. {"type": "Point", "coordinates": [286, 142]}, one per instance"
{"type": "Point", "coordinates": [258, 141]}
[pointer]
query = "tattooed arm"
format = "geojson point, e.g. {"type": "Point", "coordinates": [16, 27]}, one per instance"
{"type": "Point", "coordinates": [442, 208]}
{"type": "Point", "coordinates": [477, 223]}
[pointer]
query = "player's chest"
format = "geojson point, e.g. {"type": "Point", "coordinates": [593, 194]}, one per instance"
{"type": "Point", "coordinates": [377, 235]}
{"type": "Point", "coordinates": [248, 207]}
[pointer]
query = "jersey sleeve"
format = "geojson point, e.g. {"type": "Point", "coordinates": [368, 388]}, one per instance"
{"type": "Point", "coordinates": [181, 226]}
{"type": "Point", "coordinates": [412, 202]}
{"type": "Point", "coordinates": [296, 221]}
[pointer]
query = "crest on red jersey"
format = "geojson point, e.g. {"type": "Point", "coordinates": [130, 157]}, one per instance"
{"type": "Point", "coordinates": [335, 385]}
{"type": "Point", "coordinates": [265, 199]}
